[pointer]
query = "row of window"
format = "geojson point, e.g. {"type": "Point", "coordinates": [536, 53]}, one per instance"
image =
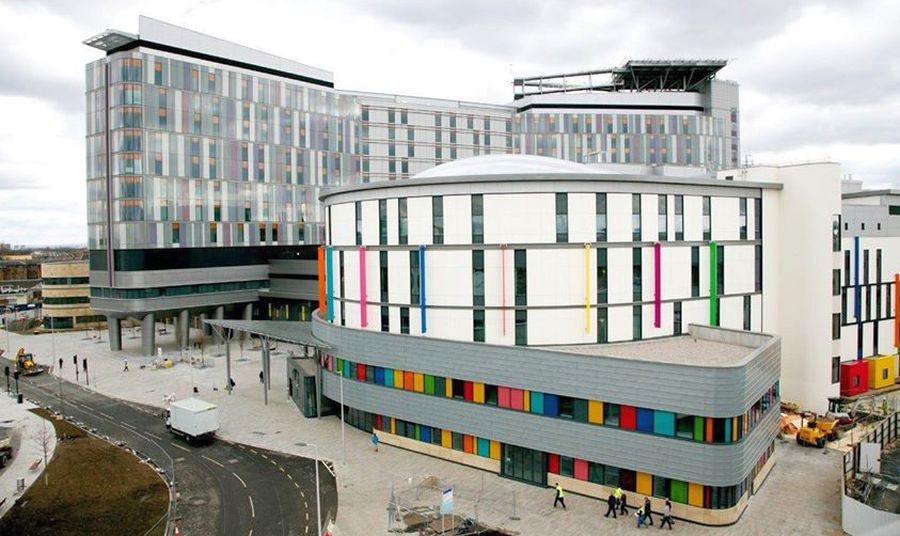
{"type": "Point", "coordinates": [664, 423]}
{"type": "Point", "coordinates": [65, 280]}
{"type": "Point", "coordinates": [67, 300]}
{"type": "Point", "coordinates": [180, 290]}
{"type": "Point", "coordinates": [540, 463]}
{"type": "Point", "coordinates": [562, 219]}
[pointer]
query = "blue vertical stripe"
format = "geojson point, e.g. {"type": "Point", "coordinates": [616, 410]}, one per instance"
{"type": "Point", "coordinates": [329, 283]}
{"type": "Point", "coordinates": [422, 288]}
{"type": "Point", "coordinates": [857, 302]}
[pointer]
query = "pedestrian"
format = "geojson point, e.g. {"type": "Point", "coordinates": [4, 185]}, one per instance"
{"type": "Point", "coordinates": [647, 511]}
{"type": "Point", "coordinates": [623, 504]}
{"type": "Point", "coordinates": [60, 365]}
{"type": "Point", "coordinates": [667, 515]}
{"type": "Point", "coordinates": [126, 366]}
{"type": "Point", "coordinates": [611, 505]}
{"type": "Point", "coordinates": [261, 377]}
{"type": "Point", "coordinates": [618, 495]}
{"type": "Point", "coordinates": [375, 440]}
{"type": "Point", "coordinates": [560, 497]}
{"type": "Point", "coordinates": [231, 381]}
{"type": "Point", "coordinates": [641, 517]}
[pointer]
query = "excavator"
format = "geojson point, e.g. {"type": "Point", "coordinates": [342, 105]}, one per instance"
{"type": "Point", "coordinates": [26, 365]}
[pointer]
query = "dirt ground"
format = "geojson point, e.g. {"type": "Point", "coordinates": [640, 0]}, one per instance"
{"type": "Point", "coordinates": [94, 488]}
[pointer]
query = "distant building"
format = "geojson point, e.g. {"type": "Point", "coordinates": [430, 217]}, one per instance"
{"type": "Point", "coordinates": [66, 294]}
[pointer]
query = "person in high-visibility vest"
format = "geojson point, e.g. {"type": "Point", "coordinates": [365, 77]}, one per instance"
{"type": "Point", "coordinates": [560, 497]}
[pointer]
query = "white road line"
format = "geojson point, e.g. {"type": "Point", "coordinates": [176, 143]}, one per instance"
{"type": "Point", "coordinates": [289, 476]}
{"type": "Point", "coordinates": [252, 511]}
{"type": "Point", "coordinates": [307, 517]}
{"type": "Point", "coordinates": [128, 425]}
{"type": "Point", "coordinates": [241, 479]}
{"type": "Point", "coordinates": [179, 447]}
{"type": "Point", "coordinates": [107, 415]}
{"type": "Point", "coordinates": [296, 485]}
{"type": "Point", "coordinates": [153, 436]}
{"type": "Point", "coordinates": [263, 455]}
{"type": "Point", "coordinates": [273, 462]}
{"type": "Point", "coordinates": [305, 505]}
{"type": "Point", "coordinates": [251, 533]}
{"type": "Point", "coordinates": [301, 492]}
{"type": "Point", "coordinates": [212, 460]}
{"type": "Point", "coordinates": [254, 452]}
{"type": "Point", "coordinates": [307, 529]}
{"type": "Point", "coordinates": [280, 468]}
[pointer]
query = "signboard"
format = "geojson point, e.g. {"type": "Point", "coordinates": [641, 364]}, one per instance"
{"type": "Point", "coordinates": [447, 501]}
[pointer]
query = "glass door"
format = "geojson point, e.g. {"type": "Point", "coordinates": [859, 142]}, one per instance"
{"type": "Point", "coordinates": [524, 464]}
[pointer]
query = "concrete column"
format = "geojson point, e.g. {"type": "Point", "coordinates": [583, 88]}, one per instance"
{"type": "Point", "coordinates": [247, 315]}
{"type": "Point", "coordinates": [183, 329]}
{"type": "Point", "coordinates": [148, 335]}
{"type": "Point", "coordinates": [203, 325]}
{"type": "Point", "coordinates": [219, 315]}
{"type": "Point", "coordinates": [115, 333]}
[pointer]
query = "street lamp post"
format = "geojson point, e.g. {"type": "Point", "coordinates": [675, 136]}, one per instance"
{"type": "Point", "coordinates": [318, 492]}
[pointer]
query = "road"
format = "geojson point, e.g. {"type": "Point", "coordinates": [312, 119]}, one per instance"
{"type": "Point", "coordinates": [223, 488]}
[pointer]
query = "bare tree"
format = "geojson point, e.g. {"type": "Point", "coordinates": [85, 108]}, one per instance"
{"type": "Point", "coordinates": [46, 437]}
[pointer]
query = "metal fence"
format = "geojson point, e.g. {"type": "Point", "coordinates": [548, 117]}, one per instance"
{"type": "Point", "coordinates": [884, 433]}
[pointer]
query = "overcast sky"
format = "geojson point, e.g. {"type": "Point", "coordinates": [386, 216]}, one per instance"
{"type": "Point", "coordinates": [818, 79]}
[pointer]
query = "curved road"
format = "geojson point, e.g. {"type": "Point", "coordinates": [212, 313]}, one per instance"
{"type": "Point", "coordinates": [223, 488]}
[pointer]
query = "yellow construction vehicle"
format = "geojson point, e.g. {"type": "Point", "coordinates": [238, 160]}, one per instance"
{"type": "Point", "coordinates": [26, 365]}
{"type": "Point", "coordinates": [816, 431]}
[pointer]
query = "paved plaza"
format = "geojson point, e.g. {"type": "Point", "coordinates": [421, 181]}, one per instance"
{"type": "Point", "coordinates": [28, 447]}
{"type": "Point", "coordinates": [801, 495]}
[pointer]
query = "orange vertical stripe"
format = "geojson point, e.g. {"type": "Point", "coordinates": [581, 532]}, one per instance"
{"type": "Point", "coordinates": [322, 306]}
{"type": "Point", "coordinates": [709, 430]}
{"type": "Point", "coordinates": [897, 310]}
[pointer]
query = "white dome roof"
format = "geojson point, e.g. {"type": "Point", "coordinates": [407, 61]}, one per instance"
{"type": "Point", "coordinates": [507, 164]}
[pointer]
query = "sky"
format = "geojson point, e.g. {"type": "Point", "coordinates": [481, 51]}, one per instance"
{"type": "Point", "coordinates": [818, 79]}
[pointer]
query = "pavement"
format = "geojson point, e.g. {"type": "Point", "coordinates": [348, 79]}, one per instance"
{"type": "Point", "coordinates": [801, 495]}
{"type": "Point", "coordinates": [27, 447]}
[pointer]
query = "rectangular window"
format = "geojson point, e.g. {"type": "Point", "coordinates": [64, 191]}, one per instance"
{"type": "Point", "coordinates": [521, 275]}
{"type": "Point", "coordinates": [757, 216]}
{"type": "Point", "coordinates": [877, 286]}
{"type": "Point", "coordinates": [865, 270]}
{"type": "Point", "coordinates": [695, 271]}
{"type": "Point", "coordinates": [176, 233]}
{"type": "Point", "coordinates": [836, 282]}
{"type": "Point", "coordinates": [707, 218]}
{"type": "Point", "coordinates": [720, 270]}
{"type": "Point", "coordinates": [676, 323]}
{"type": "Point", "coordinates": [663, 223]}
{"type": "Point", "coordinates": [836, 369]}
{"type": "Point", "coordinates": [684, 426]}
{"type": "Point", "coordinates": [562, 218]}
{"type": "Point", "coordinates": [477, 219]}
{"type": "Point", "coordinates": [437, 219]}
{"type": "Point", "coordinates": [402, 226]}
{"type": "Point", "coordinates": [636, 322]}
{"type": "Point", "coordinates": [758, 268]}
{"type": "Point", "coordinates": [836, 233]}
{"type": "Point", "coordinates": [601, 217]}
{"type": "Point", "coordinates": [636, 275]}
{"type": "Point", "coordinates": [404, 320]}
{"type": "Point", "coordinates": [887, 299]}
{"type": "Point", "coordinates": [566, 407]}
{"type": "Point", "coordinates": [382, 221]}
{"type": "Point", "coordinates": [478, 278]}
{"type": "Point", "coordinates": [358, 208]}
{"type": "Point", "coordinates": [490, 395]}
{"type": "Point", "coordinates": [742, 219]}
{"type": "Point", "coordinates": [521, 327]}
{"type": "Point", "coordinates": [602, 324]}
{"type": "Point", "coordinates": [602, 276]}
{"type": "Point", "coordinates": [836, 327]}
{"type": "Point", "coordinates": [385, 319]}
{"type": "Point", "coordinates": [636, 217]}
{"type": "Point", "coordinates": [478, 325]}
{"type": "Point", "coordinates": [679, 217]}
{"type": "Point", "coordinates": [383, 272]}
{"type": "Point", "coordinates": [746, 313]}
{"type": "Point", "coordinates": [611, 414]}
{"type": "Point", "coordinates": [414, 277]}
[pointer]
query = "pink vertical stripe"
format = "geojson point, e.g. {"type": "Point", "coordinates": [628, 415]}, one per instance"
{"type": "Point", "coordinates": [657, 292]}
{"type": "Point", "coordinates": [363, 317]}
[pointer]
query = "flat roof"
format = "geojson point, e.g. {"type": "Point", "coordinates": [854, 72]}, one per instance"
{"type": "Point", "coordinates": [682, 350]}
{"type": "Point", "coordinates": [281, 330]}
{"type": "Point", "coordinates": [870, 193]}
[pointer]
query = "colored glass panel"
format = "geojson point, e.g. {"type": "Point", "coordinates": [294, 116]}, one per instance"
{"type": "Point", "coordinates": [495, 450]}
{"type": "Point", "coordinates": [727, 430]}
{"type": "Point", "coordinates": [398, 379]}
{"type": "Point", "coordinates": [553, 463]}
{"type": "Point", "coordinates": [478, 393]}
{"type": "Point", "coordinates": [503, 397]}
{"type": "Point", "coordinates": [360, 372]}
{"type": "Point", "coordinates": [537, 402]}
{"type": "Point", "coordinates": [429, 384]}
{"type": "Point", "coordinates": [581, 469]}
{"type": "Point", "coordinates": [698, 428]}
{"type": "Point", "coordinates": [484, 448]}
{"type": "Point", "coordinates": [440, 386]}
{"type": "Point", "coordinates": [393, 426]}
{"type": "Point", "coordinates": [663, 423]}
{"type": "Point", "coordinates": [448, 391]}
{"type": "Point", "coordinates": [628, 417]}
{"type": "Point", "coordinates": [419, 382]}
{"type": "Point", "coordinates": [425, 434]}
{"type": "Point", "coordinates": [695, 494]}
{"type": "Point", "coordinates": [595, 411]}
{"type": "Point", "coordinates": [551, 405]}
{"type": "Point", "coordinates": [468, 443]}
{"type": "Point", "coordinates": [379, 375]}
{"type": "Point", "coordinates": [644, 484]}
{"type": "Point", "coordinates": [645, 420]}
{"type": "Point", "coordinates": [526, 400]}
{"type": "Point", "coordinates": [468, 391]}
{"type": "Point", "coordinates": [709, 430]}
{"type": "Point", "coordinates": [679, 491]}
{"type": "Point", "coordinates": [515, 399]}
{"type": "Point", "coordinates": [409, 380]}
{"type": "Point", "coordinates": [446, 439]}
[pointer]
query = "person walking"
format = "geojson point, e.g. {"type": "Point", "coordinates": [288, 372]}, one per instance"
{"type": "Point", "coordinates": [560, 497]}
{"type": "Point", "coordinates": [641, 517]}
{"type": "Point", "coordinates": [647, 511]}
{"type": "Point", "coordinates": [126, 366]}
{"type": "Point", "coordinates": [666, 515]}
{"type": "Point", "coordinates": [611, 505]}
{"type": "Point", "coordinates": [375, 440]}
{"type": "Point", "coordinates": [618, 495]}
{"type": "Point", "coordinates": [60, 365]}
{"type": "Point", "coordinates": [623, 504]}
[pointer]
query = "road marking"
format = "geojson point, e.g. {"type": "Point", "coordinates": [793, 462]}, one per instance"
{"type": "Point", "coordinates": [296, 485]}
{"type": "Point", "coordinates": [280, 468]}
{"type": "Point", "coordinates": [289, 476]}
{"type": "Point", "coordinates": [254, 452]}
{"type": "Point", "coordinates": [239, 478]}
{"type": "Point", "coordinates": [212, 460]}
{"type": "Point", "coordinates": [307, 529]}
{"type": "Point", "coordinates": [252, 511]}
{"type": "Point", "coordinates": [301, 492]}
{"type": "Point", "coordinates": [179, 447]}
{"type": "Point", "coordinates": [263, 455]}
{"type": "Point", "coordinates": [107, 415]}
{"type": "Point", "coordinates": [153, 436]}
{"type": "Point", "coordinates": [251, 533]}
{"type": "Point", "coordinates": [307, 517]}
{"type": "Point", "coordinates": [273, 462]}
{"type": "Point", "coordinates": [128, 425]}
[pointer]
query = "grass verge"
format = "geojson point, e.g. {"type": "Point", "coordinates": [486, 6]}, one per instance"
{"type": "Point", "coordinates": [94, 488]}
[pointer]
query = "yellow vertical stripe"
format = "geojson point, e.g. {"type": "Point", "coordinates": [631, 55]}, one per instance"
{"type": "Point", "coordinates": [419, 382]}
{"type": "Point", "coordinates": [478, 392]}
{"type": "Point", "coordinates": [495, 450]}
{"type": "Point", "coordinates": [644, 484]}
{"type": "Point", "coordinates": [526, 401]}
{"type": "Point", "coordinates": [446, 439]}
{"type": "Point", "coordinates": [448, 388]}
{"type": "Point", "coordinates": [695, 494]}
{"type": "Point", "coordinates": [398, 378]}
{"type": "Point", "coordinates": [595, 411]}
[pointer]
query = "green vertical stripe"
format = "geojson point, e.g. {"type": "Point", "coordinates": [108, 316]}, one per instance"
{"type": "Point", "coordinates": [713, 283]}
